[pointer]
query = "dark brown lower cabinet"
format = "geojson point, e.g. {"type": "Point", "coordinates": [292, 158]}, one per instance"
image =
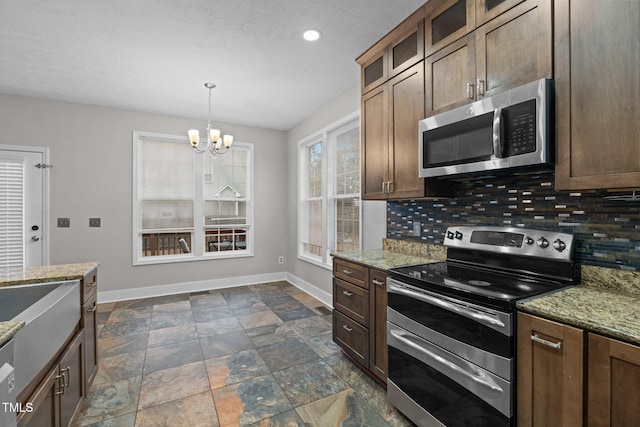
{"type": "Point", "coordinates": [89, 324]}
{"type": "Point", "coordinates": [550, 373]}
{"type": "Point", "coordinates": [614, 383]}
{"type": "Point", "coordinates": [570, 377]}
{"type": "Point", "coordinates": [360, 315]}
{"type": "Point", "coordinates": [57, 401]}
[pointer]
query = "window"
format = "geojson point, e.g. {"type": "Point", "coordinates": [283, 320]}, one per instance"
{"type": "Point", "coordinates": [190, 206]}
{"type": "Point", "coordinates": [329, 206]}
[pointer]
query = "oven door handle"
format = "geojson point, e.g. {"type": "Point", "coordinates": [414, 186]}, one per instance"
{"type": "Point", "coordinates": [458, 309]}
{"type": "Point", "coordinates": [442, 359]}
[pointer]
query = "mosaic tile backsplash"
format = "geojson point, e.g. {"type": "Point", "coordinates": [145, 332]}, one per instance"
{"type": "Point", "coordinates": [607, 231]}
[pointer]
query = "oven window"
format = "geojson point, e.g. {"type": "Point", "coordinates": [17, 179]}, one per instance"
{"type": "Point", "coordinates": [443, 398]}
{"type": "Point", "coordinates": [452, 325]}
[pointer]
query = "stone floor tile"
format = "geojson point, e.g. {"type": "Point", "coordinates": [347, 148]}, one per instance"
{"type": "Point", "coordinates": [121, 344]}
{"type": "Point", "coordinates": [111, 400]}
{"type": "Point", "coordinates": [286, 419]}
{"type": "Point", "coordinates": [288, 353]}
{"type": "Point", "coordinates": [193, 411]}
{"type": "Point", "coordinates": [124, 314]}
{"type": "Point", "coordinates": [256, 320]}
{"type": "Point", "coordinates": [127, 420]}
{"type": "Point", "coordinates": [173, 334]}
{"type": "Point", "coordinates": [306, 383]}
{"type": "Point", "coordinates": [173, 383]}
{"type": "Point", "coordinates": [172, 306]}
{"type": "Point", "coordinates": [119, 366]}
{"type": "Point", "coordinates": [250, 401]}
{"type": "Point", "coordinates": [344, 408]}
{"type": "Point", "coordinates": [128, 327]}
{"type": "Point", "coordinates": [235, 368]}
{"type": "Point", "coordinates": [218, 326]}
{"type": "Point", "coordinates": [164, 319]}
{"type": "Point", "coordinates": [221, 345]}
{"type": "Point", "coordinates": [171, 355]}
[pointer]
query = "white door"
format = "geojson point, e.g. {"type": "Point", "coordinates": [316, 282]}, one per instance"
{"type": "Point", "coordinates": [22, 207]}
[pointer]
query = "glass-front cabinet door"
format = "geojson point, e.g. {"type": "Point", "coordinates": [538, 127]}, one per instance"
{"type": "Point", "coordinates": [446, 22]}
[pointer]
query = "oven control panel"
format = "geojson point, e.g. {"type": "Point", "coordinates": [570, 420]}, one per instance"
{"type": "Point", "coordinates": [511, 240]}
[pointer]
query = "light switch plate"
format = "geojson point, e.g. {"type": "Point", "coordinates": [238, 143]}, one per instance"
{"type": "Point", "coordinates": [64, 222]}
{"type": "Point", "coordinates": [94, 222]}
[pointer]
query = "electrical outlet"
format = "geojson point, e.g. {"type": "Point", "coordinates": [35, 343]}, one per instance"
{"type": "Point", "coordinates": [281, 260]}
{"type": "Point", "coordinates": [416, 228]}
{"type": "Point", "coordinates": [94, 222]}
{"type": "Point", "coordinates": [64, 222]}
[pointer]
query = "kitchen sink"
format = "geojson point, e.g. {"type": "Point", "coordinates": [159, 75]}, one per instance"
{"type": "Point", "coordinates": [51, 312]}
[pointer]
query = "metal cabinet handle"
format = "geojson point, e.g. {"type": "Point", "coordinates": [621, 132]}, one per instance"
{"type": "Point", "coordinates": [389, 187]}
{"type": "Point", "coordinates": [537, 339]}
{"type": "Point", "coordinates": [66, 373]}
{"type": "Point", "coordinates": [60, 391]}
{"type": "Point", "coordinates": [346, 328]}
{"type": "Point", "coordinates": [377, 282]}
{"type": "Point", "coordinates": [469, 90]}
{"type": "Point", "coordinates": [347, 293]}
{"type": "Point", "coordinates": [92, 309]}
{"type": "Point", "coordinates": [480, 87]}
{"type": "Point", "coordinates": [383, 184]}
{"type": "Point", "coordinates": [91, 285]}
{"type": "Point", "coordinates": [349, 272]}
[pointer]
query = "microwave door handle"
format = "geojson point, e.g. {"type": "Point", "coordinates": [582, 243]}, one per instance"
{"type": "Point", "coordinates": [498, 134]}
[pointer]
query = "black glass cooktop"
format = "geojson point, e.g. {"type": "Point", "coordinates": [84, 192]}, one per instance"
{"type": "Point", "coordinates": [495, 288]}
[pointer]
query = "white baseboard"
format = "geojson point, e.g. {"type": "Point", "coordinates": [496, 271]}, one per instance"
{"type": "Point", "coordinates": [324, 297]}
{"type": "Point", "coordinates": [207, 285]}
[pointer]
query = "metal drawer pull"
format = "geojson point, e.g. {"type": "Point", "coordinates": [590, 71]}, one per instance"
{"type": "Point", "coordinates": [349, 272]}
{"type": "Point", "coordinates": [347, 293]}
{"type": "Point", "coordinates": [61, 389]}
{"type": "Point", "coordinates": [65, 378]}
{"type": "Point", "coordinates": [377, 282]}
{"type": "Point", "coordinates": [537, 339]}
{"type": "Point", "coordinates": [91, 285]}
{"type": "Point", "coordinates": [469, 91]}
{"type": "Point", "coordinates": [92, 309]}
{"type": "Point", "coordinates": [346, 328]}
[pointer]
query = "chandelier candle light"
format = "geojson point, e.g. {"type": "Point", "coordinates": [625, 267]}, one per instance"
{"type": "Point", "coordinates": [214, 142]}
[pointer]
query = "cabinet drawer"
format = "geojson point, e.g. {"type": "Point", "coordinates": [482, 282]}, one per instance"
{"type": "Point", "coordinates": [351, 272]}
{"type": "Point", "coordinates": [89, 285]}
{"type": "Point", "coordinates": [351, 300]}
{"type": "Point", "coordinates": [352, 337]}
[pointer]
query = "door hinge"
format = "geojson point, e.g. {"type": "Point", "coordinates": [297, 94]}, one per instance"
{"type": "Point", "coordinates": [43, 166]}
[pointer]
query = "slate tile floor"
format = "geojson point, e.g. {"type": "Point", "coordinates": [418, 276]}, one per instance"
{"type": "Point", "coordinates": [258, 355]}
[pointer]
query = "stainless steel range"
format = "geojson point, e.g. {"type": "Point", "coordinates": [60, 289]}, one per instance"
{"type": "Point", "coordinates": [451, 325]}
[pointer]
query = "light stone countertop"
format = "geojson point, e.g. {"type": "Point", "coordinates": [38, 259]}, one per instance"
{"type": "Point", "coordinates": [40, 274]}
{"type": "Point", "coordinates": [382, 259]}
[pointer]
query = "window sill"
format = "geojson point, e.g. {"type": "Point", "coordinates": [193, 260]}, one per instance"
{"type": "Point", "coordinates": [314, 261]}
{"type": "Point", "coordinates": [191, 258]}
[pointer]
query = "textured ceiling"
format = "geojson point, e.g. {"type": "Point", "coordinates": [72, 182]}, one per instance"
{"type": "Point", "coordinates": [155, 55]}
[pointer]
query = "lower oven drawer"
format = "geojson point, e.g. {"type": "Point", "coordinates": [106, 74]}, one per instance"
{"type": "Point", "coordinates": [352, 337]}
{"type": "Point", "coordinates": [428, 383]}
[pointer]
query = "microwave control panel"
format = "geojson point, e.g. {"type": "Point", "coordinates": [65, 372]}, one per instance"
{"type": "Point", "coordinates": [521, 129]}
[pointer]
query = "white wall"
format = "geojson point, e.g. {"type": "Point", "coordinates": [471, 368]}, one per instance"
{"type": "Point", "coordinates": [91, 153]}
{"type": "Point", "coordinates": [374, 212]}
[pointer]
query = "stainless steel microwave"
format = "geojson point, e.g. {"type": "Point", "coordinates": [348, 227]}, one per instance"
{"type": "Point", "coordinates": [510, 129]}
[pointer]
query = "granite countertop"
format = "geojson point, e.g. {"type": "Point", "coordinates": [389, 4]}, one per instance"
{"type": "Point", "coordinates": [45, 273]}
{"type": "Point", "coordinates": [608, 312]}
{"type": "Point", "coordinates": [40, 274]}
{"type": "Point", "coordinates": [9, 329]}
{"type": "Point", "coordinates": [382, 259]}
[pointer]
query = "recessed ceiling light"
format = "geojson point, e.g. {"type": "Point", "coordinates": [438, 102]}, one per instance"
{"type": "Point", "coordinates": [311, 35]}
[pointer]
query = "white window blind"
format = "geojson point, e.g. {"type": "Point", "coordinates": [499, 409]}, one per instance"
{"type": "Point", "coordinates": [329, 210]}
{"type": "Point", "coordinates": [12, 200]}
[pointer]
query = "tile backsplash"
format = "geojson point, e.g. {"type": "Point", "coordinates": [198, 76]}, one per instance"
{"type": "Point", "coordinates": [607, 231]}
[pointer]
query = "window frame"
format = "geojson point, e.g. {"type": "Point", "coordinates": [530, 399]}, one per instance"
{"type": "Point", "coordinates": [198, 238]}
{"type": "Point", "coordinates": [328, 190]}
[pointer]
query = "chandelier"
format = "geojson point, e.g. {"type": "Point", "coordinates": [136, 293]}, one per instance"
{"type": "Point", "coordinates": [214, 142]}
